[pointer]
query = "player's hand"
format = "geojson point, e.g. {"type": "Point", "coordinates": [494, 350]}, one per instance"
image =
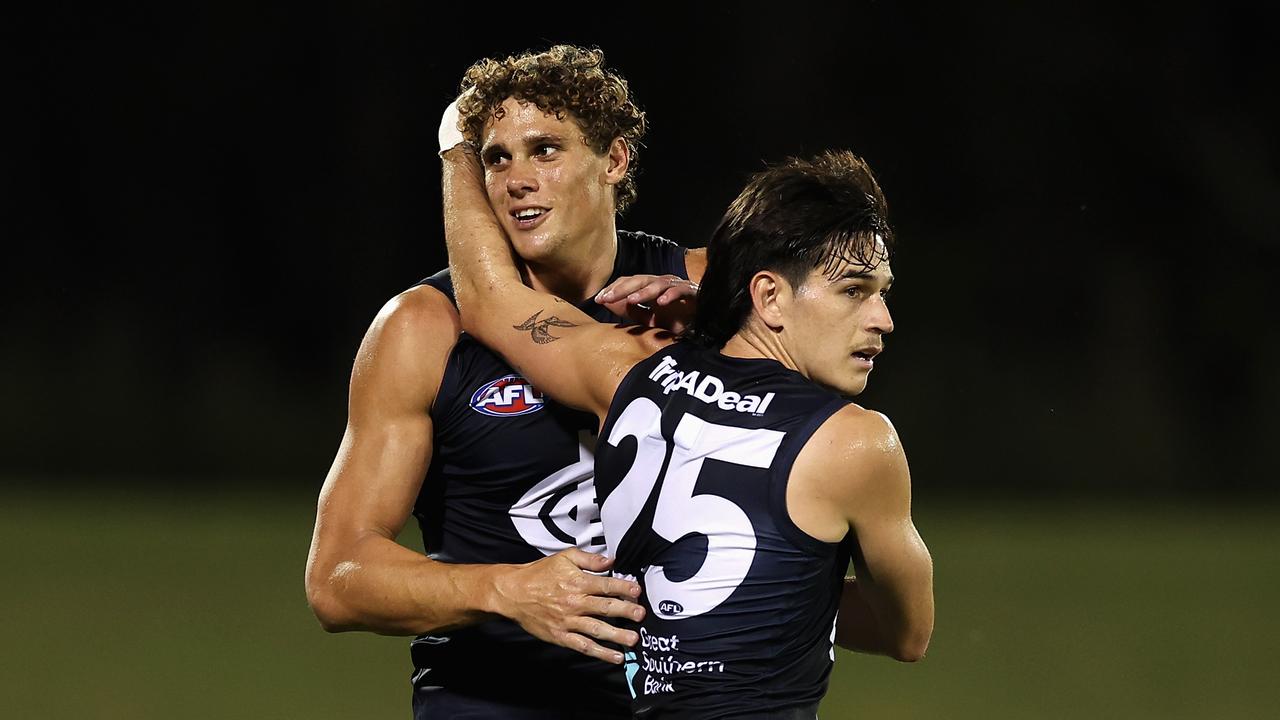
{"type": "Point", "coordinates": [664, 301]}
{"type": "Point", "coordinates": [558, 600]}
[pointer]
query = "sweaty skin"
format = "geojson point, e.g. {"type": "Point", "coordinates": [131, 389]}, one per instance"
{"type": "Point", "coordinates": [358, 577]}
{"type": "Point", "coordinates": [851, 477]}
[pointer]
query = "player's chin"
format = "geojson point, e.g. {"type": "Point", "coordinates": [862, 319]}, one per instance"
{"type": "Point", "coordinates": [847, 384]}
{"type": "Point", "coordinates": [856, 381]}
{"type": "Point", "coordinates": [532, 246]}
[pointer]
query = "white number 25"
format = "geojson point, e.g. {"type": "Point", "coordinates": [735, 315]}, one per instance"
{"type": "Point", "coordinates": [731, 540]}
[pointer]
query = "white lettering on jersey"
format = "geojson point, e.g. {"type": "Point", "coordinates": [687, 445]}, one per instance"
{"type": "Point", "coordinates": [507, 396]}
{"type": "Point", "coordinates": [680, 512]}
{"type": "Point", "coordinates": [561, 511]}
{"type": "Point", "coordinates": [707, 388]}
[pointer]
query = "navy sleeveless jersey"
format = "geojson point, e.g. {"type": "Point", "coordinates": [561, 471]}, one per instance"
{"type": "Point", "coordinates": [691, 474]}
{"type": "Point", "coordinates": [511, 481]}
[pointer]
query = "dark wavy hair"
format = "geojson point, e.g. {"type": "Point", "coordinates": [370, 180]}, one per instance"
{"type": "Point", "coordinates": [792, 218]}
{"type": "Point", "coordinates": [565, 80]}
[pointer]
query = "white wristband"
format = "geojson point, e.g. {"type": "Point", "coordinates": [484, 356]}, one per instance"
{"type": "Point", "coordinates": [449, 134]}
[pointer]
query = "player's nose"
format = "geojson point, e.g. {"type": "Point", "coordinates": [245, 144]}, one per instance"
{"type": "Point", "coordinates": [880, 320]}
{"type": "Point", "coordinates": [521, 178]}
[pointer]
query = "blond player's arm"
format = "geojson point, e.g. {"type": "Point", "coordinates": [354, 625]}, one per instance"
{"type": "Point", "coordinates": [559, 348]}
{"type": "Point", "coordinates": [359, 578]}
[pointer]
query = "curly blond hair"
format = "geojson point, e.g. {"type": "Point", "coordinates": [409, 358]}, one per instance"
{"type": "Point", "coordinates": [565, 80]}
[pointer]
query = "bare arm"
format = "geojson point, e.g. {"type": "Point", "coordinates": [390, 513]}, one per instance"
{"type": "Point", "coordinates": [865, 488]}
{"type": "Point", "coordinates": [562, 350]}
{"type": "Point", "coordinates": [858, 627]}
{"type": "Point", "coordinates": [359, 578]}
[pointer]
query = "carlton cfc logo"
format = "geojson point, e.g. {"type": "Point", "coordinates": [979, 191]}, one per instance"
{"type": "Point", "coordinates": [507, 396]}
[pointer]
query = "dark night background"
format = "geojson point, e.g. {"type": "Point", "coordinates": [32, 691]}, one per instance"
{"type": "Point", "coordinates": [211, 205]}
{"type": "Point", "coordinates": [206, 206]}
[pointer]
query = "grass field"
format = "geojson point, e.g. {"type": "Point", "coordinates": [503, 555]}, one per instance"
{"type": "Point", "coordinates": [144, 605]}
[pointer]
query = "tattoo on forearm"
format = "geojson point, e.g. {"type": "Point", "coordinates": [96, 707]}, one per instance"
{"type": "Point", "coordinates": [538, 331]}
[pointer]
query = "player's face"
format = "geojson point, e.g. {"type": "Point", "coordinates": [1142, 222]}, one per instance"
{"type": "Point", "coordinates": [549, 190]}
{"type": "Point", "coordinates": [836, 327]}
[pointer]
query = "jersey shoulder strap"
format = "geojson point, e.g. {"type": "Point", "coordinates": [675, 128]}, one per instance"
{"type": "Point", "coordinates": [441, 281]}
{"type": "Point", "coordinates": [640, 252]}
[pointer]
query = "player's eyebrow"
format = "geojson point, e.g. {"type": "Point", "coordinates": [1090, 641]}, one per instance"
{"type": "Point", "coordinates": [852, 274]}
{"type": "Point", "coordinates": [542, 138]}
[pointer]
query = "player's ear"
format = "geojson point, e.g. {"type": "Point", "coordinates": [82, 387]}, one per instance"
{"type": "Point", "coordinates": [619, 156]}
{"type": "Point", "coordinates": [770, 296]}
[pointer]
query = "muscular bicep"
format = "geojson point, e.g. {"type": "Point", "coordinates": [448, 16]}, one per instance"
{"type": "Point", "coordinates": [386, 447]}
{"type": "Point", "coordinates": [560, 349]}
{"type": "Point", "coordinates": [376, 475]}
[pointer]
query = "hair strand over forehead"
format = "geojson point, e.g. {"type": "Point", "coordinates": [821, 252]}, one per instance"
{"type": "Point", "coordinates": [826, 212]}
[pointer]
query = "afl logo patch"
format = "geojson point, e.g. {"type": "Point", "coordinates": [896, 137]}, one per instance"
{"type": "Point", "coordinates": [670, 607]}
{"type": "Point", "coordinates": [507, 396]}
